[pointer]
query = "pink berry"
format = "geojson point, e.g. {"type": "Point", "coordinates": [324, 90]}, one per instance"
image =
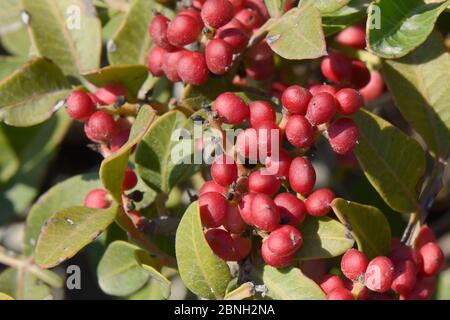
{"type": "Point", "coordinates": [348, 101]}
{"type": "Point", "coordinates": [110, 93]}
{"type": "Point", "coordinates": [404, 277]}
{"type": "Point", "coordinates": [170, 65]}
{"type": "Point", "coordinates": [343, 135]}
{"type": "Point", "coordinates": [274, 259]}
{"type": "Point", "coordinates": [379, 274]}
{"type": "Point", "coordinates": [422, 291]}
{"type": "Point", "coordinates": [158, 32]}
{"type": "Point", "coordinates": [354, 264]}
{"type": "Point", "coordinates": [372, 90]}
{"type": "Point", "coordinates": [318, 88]}
{"type": "Point", "coordinates": [302, 176]}
{"type": "Point", "coordinates": [79, 105]}
{"type": "Point", "coordinates": [217, 13]}
{"type": "Point", "coordinates": [221, 243]}
{"type": "Point", "coordinates": [261, 182]}
{"type": "Point", "coordinates": [269, 137]}
{"type": "Point", "coordinates": [247, 144]}
{"type": "Point", "coordinates": [340, 293]}
{"type": "Point", "coordinates": [319, 202]}
{"type": "Point", "coordinates": [330, 282]}
{"type": "Point", "coordinates": [433, 259]}
{"type": "Point", "coordinates": [155, 61]}
{"type": "Point", "coordinates": [233, 221]}
{"type": "Point", "coordinates": [236, 38]}
{"type": "Point", "coordinates": [264, 213]}
{"type": "Point", "coordinates": [321, 108]}
{"type": "Point", "coordinates": [353, 37]}
{"type": "Point", "coordinates": [251, 19]}
{"type": "Point", "coordinates": [100, 127]}
{"type": "Point", "coordinates": [218, 56]}
{"type": "Point", "coordinates": [97, 198]}
{"type": "Point", "coordinates": [242, 246]}
{"type": "Point", "coordinates": [245, 208]}
{"type": "Point", "coordinates": [231, 108]}
{"type": "Point", "coordinates": [337, 67]}
{"type": "Point", "coordinates": [296, 99]}
{"type": "Point", "coordinates": [183, 30]}
{"type": "Point", "coordinates": [224, 170]}
{"type": "Point", "coordinates": [278, 164]}
{"type": "Point", "coordinates": [191, 68]}
{"type": "Point", "coordinates": [425, 235]}
{"type": "Point", "coordinates": [129, 180]}
{"type": "Point", "coordinates": [299, 132]}
{"type": "Point", "coordinates": [213, 209]}
{"type": "Point", "coordinates": [360, 74]}
{"type": "Point", "coordinates": [284, 241]}
{"type": "Point", "coordinates": [261, 111]}
{"type": "Point", "coordinates": [211, 186]}
{"type": "Point", "coordinates": [292, 209]}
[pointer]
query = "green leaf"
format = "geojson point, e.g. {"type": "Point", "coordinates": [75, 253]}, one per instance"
{"type": "Point", "coordinates": [290, 284]}
{"type": "Point", "coordinates": [200, 269]}
{"type": "Point", "coordinates": [348, 15]}
{"type": "Point", "coordinates": [403, 25]}
{"type": "Point", "coordinates": [70, 230]}
{"type": "Point", "coordinates": [61, 195]}
{"type": "Point", "coordinates": [112, 170]}
{"type": "Point", "coordinates": [420, 84]}
{"type": "Point", "coordinates": [275, 7]}
{"type": "Point", "coordinates": [130, 76]}
{"type": "Point", "coordinates": [153, 268]}
{"type": "Point", "coordinates": [14, 36]}
{"type": "Point", "coordinates": [9, 160]}
{"type": "Point", "coordinates": [66, 31]}
{"type": "Point", "coordinates": [392, 161]}
{"type": "Point", "coordinates": [154, 154]}
{"type": "Point", "coordinates": [27, 288]}
{"type": "Point", "coordinates": [323, 238]}
{"type": "Point", "coordinates": [150, 291]}
{"type": "Point", "coordinates": [298, 35]}
{"type": "Point", "coordinates": [244, 291]}
{"type": "Point", "coordinates": [9, 64]}
{"type": "Point", "coordinates": [4, 296]}
{"type": "Point", "coordinates": [369, 226]}
{"type": "Point", "coordinates": [194, 96]}
{"type": "Point", "coordinates": [112, 26]}
{"type": "Point", "coordinates": [324, 6]}
{"type": "Point", "coordinates": [31, 94]}
{"type": "Point", "coordinates": [443, 285]}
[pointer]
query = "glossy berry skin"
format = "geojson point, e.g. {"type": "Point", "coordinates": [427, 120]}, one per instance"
{"type": "Point", "coordinates": [242, 246]}
{"type": "Point", "coordinates": [348, 101]}
{"type": "Point", "coordinates": [79, 105]}
{"type": "Point", "coordinates": [274, 259]}
{"type": "Point", "coordinates": [245, 208]}
{"type": "Point", "coordinates": [213, 209]}
{"type": "Point", "coordinates": [302, 176]}
{"type": "Point", "coordinates": [278, 164]}
{"type": "Point", "coordinates": [284, 241]}
{"type": "Point", "coordinates": [353, 37]}
{"type": "Point", "coordinates": [264, 213]}
{"type": "Point", "coordinates": [374, 88]}
{"type": "Point", "coordinates": [211, 186]}
{"type": "Point", "coordinates": [191, 68]}
{"type": "Point", "coordinates": [405, 274]}
{"type": "Point", "coordinates": [360, 75]}
{"type": "Point", "coordinates": [97, 198]}
{"type": "Point", "coordinates": [269, 137]}
{"type": "Point", "coordinates": [296, 99]}
{"type": "Point", "coordinates": [221, 243]}
{"type": "Point", "coordinates": [183, 30]}
{"type": "Point", "coordinates": [422, 291]}
{"type": "Point", "coordinates": [218, 56]}
{"type": "Point", "coordinates": [354, 264]}
{"type": "Point", "coordinates": [109, 94]}
{"type": "Point", "coordinates": [251, 19]}
{"type": "Point", "coordinates": [170, 65]}
{"type": "Point", "coordinates": [217, 13]}
{"type": "Point", "coordinates": [319, 202]}
{"type": "Point", "coordinates": [233, 221]}
{"type": "Point", "coordinates": [330, 282]}
{"type": "Point", "coordinates": [425, 235]}
{"type": "Point", "coordinates": [299, 132]}
{"type": "Point", "coordinates": [331, 89]}
{"type": "Point", "coordinates": [343, 135]}
{"type": "Point", "coordinates": [224, 170]}
{"type": "Point", "coordinates": [379, 274]}
{"type": "Point", "coordinates": [236, 38]}
{"type": "Point", "coordinates": [292, 209]}
{"type": "Point", "coordinates": [261, 111]}
{"type": "Point", "coordinates": [129, 180]}
{"type": "Point", "coordinates": [158, 32]}
{"type": "Point", "coordinates": [259, 53]}
{"type": "Point", "coordinates": [433, 259]}
{"type": "Point", "coordinates": [261, 182]}
{"type": "Point", "coordinates": [340, 293]}
{"type": "Point", "coordinates": [195, 14]}
{"type": "Point", "coordinates": [247, 144]}
{"type": "Point", "coordinates": [100, 127]}
{"type": "Point", "coordinates": [231, 108]}
{"type": "Point", "coordinates": [337, 67]}
{"type": "Point", "coordinates": [155, 61]}
{"type": "Point", "coordinates": [321, 108]}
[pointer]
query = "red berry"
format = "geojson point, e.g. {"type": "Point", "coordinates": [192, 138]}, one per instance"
{"type": "Point", "coordinates": [330, 282]}
{"type": "Point", "coordinates": [299, 132]}
{"type": "Point", "coordinates": [236, 38]}
{"type": "Point", "coordinates": [261, 111]}
{"type": "Point", "coordinates": [231, 108]}
{"type": "Point", "coordinates": [296, 99]}
{"type": "Point", "coordinates": [247, 143]}
{"type": "Point", "coordinates": [158, 31]}
{"type": "Point", "coordinates": [79, 105]}
{"type": "Point", "coordinates": [425, 235]}
{"type": "Point", "coordinates": [278, 164]}
{"type": "Point", "coordinates": [155, 61]}
{"type": "Point", "coordinates": [129, 180]}
{"type": "Point", "coordinates": [379, 274]}
{"type": "Point", "coordinates": [269, 137]}
{"type": "Point", "coordinates": [211, 186]}
{"type": "Point", "coordinates": [422, 291]}
{"type": "Point", "coordinates": [237, 4]}
{"type": "Point", "coordinates": [360, 75]}
{"type": "Point", "coordinates": [259, 53]}
{"type": "Point", "coordinates": [337, 67]}
{"type": "Point", "coordinates": [353, 36]}
{"type": "Point", "coordinates": [100, 127]}
{"type": "Point", "coordinates": [374, 88]}
{"type": "Point", "coordinates": [264, 213]}
{"type": "Point", "coordinates": [217, 13]}
{"type": "Point", "coordinates": [260, 70]}
{"type": "Point", "coordinates": [218, 56]}
{"type": "Point", "coordinates": [348, 101]}
{"type": "Point", "coordinates": [191, 68]}
{"type": "Point", "coordinates": [221, 243]}
{"type": "Point", "coordinates": [318, 88]}
{"type": "Point", "coordinates": [404, 277]}
{"type": "Point", "coordinates": [284, 241]}
{"type": "Point", "coordinates": [340, 293]}
{"type": "Point", "coordinates": [343, 135]}
{"type": "Point", "coordinates": [314, 269]}
{"type": "Point", "coordinates": [213, 209]}
{"type": "Point", "coordinates": [191, 12]}
{"type": "Point", "coordinates": [224, 170]}
{"type": "Point", "coordinates": [321, 108]}
{"type": "Point", "coordinates": [258, 6]}
{"type": "Point", "coordinates": [97, 198]}
{"type": "Point", "coordinates": [319, 202]}
{"type": "Point", "coordinates": [242, 247]}
{"type": "Point", "coordinates": [292, 209]}
{"type": "Point", "coordinates": [109, 94]}
{"type": "Point", "coordinates": [274, 259]}
{"type": "Point", "coordinates": [233, 221]}
{"type": "Point", "coordinates": [251, 19]}
{"type": "Point", "coordinates": [245, 208]}
{"type": "Point", "coordinates": [302, 176]}
{"type": "Point", "coordinates": [183, 30]}
{"type": "Point", "coordinates": [354, 264]}
{"type": "Point", "coordinates": [119, 140]}
{"type": "Point", "coordinates": [433, 258]}
{"type": "Point", "coordinates": [170, 65]}
{"type": "Point", "coordinates": [261, 182]}
{"type": "Point", "coordinates": [94, 99]}
{"type": "Point", "coordinates": [402, 253]}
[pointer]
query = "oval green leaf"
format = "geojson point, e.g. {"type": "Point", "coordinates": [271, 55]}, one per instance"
{"type": "Point", "coordinates": [200, 269]}
{"type": "Point", "coordinates": [31, 288]}
{"type": "Point", "coordinates": [324, 6]}
{"type": "Point", "coordinates": [275, 7]}
{"type": "Point", "coordinates": [350, 14]}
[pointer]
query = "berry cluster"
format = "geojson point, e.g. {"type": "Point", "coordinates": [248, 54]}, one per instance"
{"type": "Point", "coordinates": [208, 37]}
{"type": "Point", "coordinates": [407, 274]}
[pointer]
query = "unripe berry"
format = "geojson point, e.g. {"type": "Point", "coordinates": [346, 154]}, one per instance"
{"type": "Point", "coordinates": [433, 258]}
{"type": "Point", "coordinates": [284, 241]}
{"type": "Point", "coordinates": [264, 213]}
{"type": "Point", "coordinates": [224, 170]}
{"type": "Point", "coordinates": [79, 105]}
{"type": "Point", "coordinates": [273, 259]}
{"type": "Point", "coordinates": [337, 67]}
{"type": "Point", "coordinates": [422, 291]}
{"type": "Point", "coordinates": [97, 198]}
{"type": "Point", "coordinates": [354, 264]}
{"type": "Point", "coordinates": [211, 186]}
{"type": "Point", "coordinates": [231, 108]}
{"type": "Point", "coordinates": [251, 19]}
{"type": "Point", "coordinates": [233, 221]}
{"type": "Point", "coordinates": [379, 274]}
{"type": "Point", "coordinates": [404, 277]}
{"type": "Point", "coordinates": [348, 101]}
{"type": "Point", "coordinates": [155, 61]}
{"type": "Point", "coordinates": [218, 56]}
{"type": "Point", "coordinates": [292, 209]}
{"type": "Point", "coordinates": [217, 13]}
{"type": "Point", "coordinates": [353, 37]}
{"type": "Point", "coordinates": [261, 111]}
{"type": "Point", "coordinates": [245, 208]}
{"type": "Point", "coordinates": [318, 88]}
{"type": "Point", "coordinates": [247, 143]}
{"type": "Point", "coordinates": [191, 68]}
{"type": "Point", "coordinates": [170, 65]}
{"type": "Point", "coordinates": [374, 88]}
{"type": "Point", "coordinates": [425, 235]}
{"type": "Point", "coordinates": [221, 243]}
{"type": "Point", "coordinates": [261, 182]}
{"type": "Point", "coordinates": [110, 93]}
{"type": "Point", "coordinates": [213, 209]}
{"type": "Point", "coordinates": [340, 293]}
{"type": "Point", "coordinates": [278, 164]}
{"type": "Point", "coordinates": [296, 99]}
{"type": "Point", "coordinates": [319, 202]}
{"type": "Point", "coordinates": [100, 127]}
{"type": "Point", "coordinates": [236, 38]}
{"type": "Point", "coordinates": [321, 108]}
{"type": "Point", "coordinates": [183, 30]}
{"type": "Point", "coordinates": [302, 176]}
{"type": "Point", "coordinates": [299, 131]}
{"type": "Point", "coordinates": [158, 32]}
{"type": "Point", "coordinates": [360, 74]}
{"type": "Point", "coordinates": [269, 137]}
{"type": "Point", "coordinates": [343, 135]}
{"type": "Point", "coordinates": [129, 180]}
{"type": "Point", "coordinates": [330, 282]}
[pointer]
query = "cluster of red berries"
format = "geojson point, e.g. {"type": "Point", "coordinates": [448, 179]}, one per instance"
{"type": "Point", "coordinates": [408, 273]}
{"type": "Point", "coordinates": [183, 52]}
